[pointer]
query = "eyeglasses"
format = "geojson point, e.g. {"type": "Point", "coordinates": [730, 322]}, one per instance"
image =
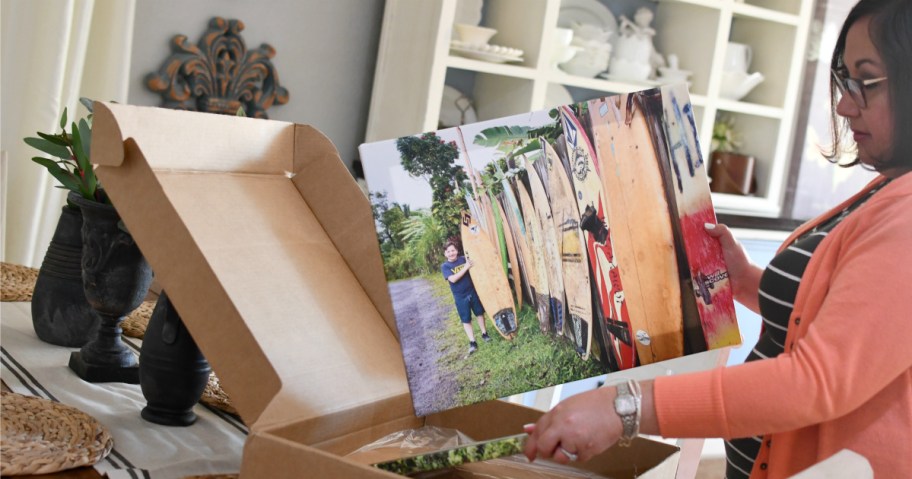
{"type": "Point", "coordinates": [855, 87]}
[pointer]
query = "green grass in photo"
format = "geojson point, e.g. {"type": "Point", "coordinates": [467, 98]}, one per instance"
{"type": "Point", "coordinates": [529, 362]}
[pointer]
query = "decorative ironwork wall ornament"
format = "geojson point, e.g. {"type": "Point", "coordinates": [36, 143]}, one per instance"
{"type": "Point", "coordinates": [219, 75]}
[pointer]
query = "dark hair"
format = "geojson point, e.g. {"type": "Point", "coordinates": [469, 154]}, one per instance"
{"type": "Point", "coordinates": [891, 34]}
{"type": "Point", "coordinates": [452, 243]}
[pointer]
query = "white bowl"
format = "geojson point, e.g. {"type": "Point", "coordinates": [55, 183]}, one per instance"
{"type": "Point", "coordinates": [565, 53]}
{"type": "Point", "coordinates": [581, 68]}
{"type": "Point", "coordinates": [562, 37]}
{"type": "Point", "coordinates": [473, 34]}
{"type": "Point", "coordinates": [673, 75]}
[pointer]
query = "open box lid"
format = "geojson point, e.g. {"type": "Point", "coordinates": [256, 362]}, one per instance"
{"type": "Point", "coordinates": [266, 247]}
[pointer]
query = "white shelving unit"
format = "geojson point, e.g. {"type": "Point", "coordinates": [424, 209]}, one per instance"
{"type": "Point", "coordinates": [414, 59]}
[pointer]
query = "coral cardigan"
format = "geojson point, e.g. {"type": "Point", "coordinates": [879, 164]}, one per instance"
{"type": "Point", "coordinates": [844, 380]}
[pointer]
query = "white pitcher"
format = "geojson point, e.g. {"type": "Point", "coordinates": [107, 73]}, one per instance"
{"type": "Point", "coordinates": [738, 57]}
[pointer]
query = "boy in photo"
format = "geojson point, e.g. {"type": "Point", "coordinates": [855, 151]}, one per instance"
{"type": "Point", "coordinates": [456, 271]}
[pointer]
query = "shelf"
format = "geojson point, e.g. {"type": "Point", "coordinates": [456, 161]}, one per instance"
{"type": "Point", "coordinates": [760, 13]}
{"type": "Point", "coordinates": [749, 108]}
{"type": "Point", "coordinates": [505, 69]}
{"type": "Point", "coordinates": [415, 62]}
{"type": "Point", "coordinates": [733, 204]}
{"type": "Point", "coordinates": [787, 15]}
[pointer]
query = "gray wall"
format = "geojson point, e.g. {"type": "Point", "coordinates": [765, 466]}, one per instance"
{"type": "Point", "coordinates": [325, 54]}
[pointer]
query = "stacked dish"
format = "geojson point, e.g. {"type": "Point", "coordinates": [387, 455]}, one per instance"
{"type": "Point", "coordinates": [474, 43]}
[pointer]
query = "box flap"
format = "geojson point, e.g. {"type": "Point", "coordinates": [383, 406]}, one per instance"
{"type": "Point", "coordinates": [274, 147]}
{"type": "Point", "coordinates": [259, 283]}
{"type": "Point", "coordinates": [325, 182]}
{"type": "Point", "coordinates": [189, 141]}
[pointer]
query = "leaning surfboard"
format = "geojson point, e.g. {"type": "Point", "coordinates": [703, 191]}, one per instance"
{"type": "Point", "coordinates": [539, 270]}
{"type": "Point", "coordinates": [641, 227]}
{"type": "Point", "coordinates": [614, 326]}
{"type": "Point", "coordinates": [488, 277]}
{"type": "Point", "coordinates": [574, 258]}
{"type": "Point", "coordinates": [507, 233]}
{"type": "Point", "coordinates": [514, 219]}
{"type": "Point", "coordinates": [551, 246]}
{"type": "Point", "coordinates": [707, 272]}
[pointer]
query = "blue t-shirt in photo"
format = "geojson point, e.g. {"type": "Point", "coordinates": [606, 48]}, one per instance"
{"type": "Point", "coordinates": [462, 287]}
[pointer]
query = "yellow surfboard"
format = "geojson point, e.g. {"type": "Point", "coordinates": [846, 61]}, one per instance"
{"type": "Point", "coordinates": [641, 227]}
{"type": "Point", "coordinates": [488, 277]}
{"type": "Point", "coordinates": [574, 258]}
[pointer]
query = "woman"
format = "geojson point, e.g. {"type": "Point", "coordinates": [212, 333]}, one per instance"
{"type": "Point", "coordinates": [836, 304]}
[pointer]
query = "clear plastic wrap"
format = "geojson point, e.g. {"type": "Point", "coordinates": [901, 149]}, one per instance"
{"type": "Point", "coordinates": [429, 438]}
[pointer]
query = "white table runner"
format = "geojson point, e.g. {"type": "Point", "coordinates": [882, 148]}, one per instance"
{"type": "Point", "coordinates": [141, 449]}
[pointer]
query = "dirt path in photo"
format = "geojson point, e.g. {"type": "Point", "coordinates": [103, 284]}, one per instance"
{"type": "Point", "coordinates": [421, 315]}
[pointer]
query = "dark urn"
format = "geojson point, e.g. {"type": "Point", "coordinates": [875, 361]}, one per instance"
{"type": "Point", "coordinates": [116, 278]}
{"type": "Point", "coordinates": [60, 313]}
{"type": "Point", "coordinates": [172, 370]}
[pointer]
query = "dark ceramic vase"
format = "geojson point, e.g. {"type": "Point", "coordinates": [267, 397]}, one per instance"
{"type": "Point", "coordinates": [116, 278]}
{"type": "Point", "coordinates": [60, 313]}
{"type": "Point", "coordinates": [172, 371]}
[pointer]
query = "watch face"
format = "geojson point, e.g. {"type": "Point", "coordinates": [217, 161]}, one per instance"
{"type": "Point", "coordinates": [625, 405]}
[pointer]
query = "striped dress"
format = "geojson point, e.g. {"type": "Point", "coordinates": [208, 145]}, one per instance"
{"type": "Point", "coordinates": [778, 288]}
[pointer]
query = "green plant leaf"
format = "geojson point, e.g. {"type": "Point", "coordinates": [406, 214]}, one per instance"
{"type": "Point", "coordinates": [63, 119]}
{"type": "Point", "coordinates": [88, 103]}
{"type": "Point", "coordinates": [90, 182]}
{"type": "Point", "coordinates": [493, 137]}
{"type": "Point", "coordinates": [85, 134]}
{"type": "Point", "coordinates": [532, 146]}
{"type": "Point", "coordinates": [56, 139]}
{"type": "Point", "coordinates": [82, 157]}
{"type": "Point", "coordinates": [81, 148]}
{"type": "Point", "coordinates": [48, 147]}
{"type": "Point", "coordinates": [67, 179]}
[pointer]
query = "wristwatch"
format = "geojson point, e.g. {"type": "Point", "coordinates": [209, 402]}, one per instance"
{"type": "Point", "coordinates": [627, 407]}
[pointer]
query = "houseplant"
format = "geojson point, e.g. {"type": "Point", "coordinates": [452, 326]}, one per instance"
{"type": "Point", "coordinates": [70, 166]}
{"type": "Point", "coordinates": [60, 313]}
{"type": "Point", "coordinates": [730, 171]}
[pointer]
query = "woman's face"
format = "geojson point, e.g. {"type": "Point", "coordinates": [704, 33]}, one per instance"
{"type": "Point", "coordinates": [872, 126]}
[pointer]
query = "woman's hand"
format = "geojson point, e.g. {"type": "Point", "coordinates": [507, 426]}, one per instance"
{"type": "Point", "coordinates": [742, 273]}
{"type": "Point", "coordinates": [583, 425]}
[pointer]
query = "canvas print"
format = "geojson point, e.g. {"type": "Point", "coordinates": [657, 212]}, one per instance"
{"type": "Point", "coordinates": [548, 247]}
{"type": "Point", "coordinates": [456, 456]}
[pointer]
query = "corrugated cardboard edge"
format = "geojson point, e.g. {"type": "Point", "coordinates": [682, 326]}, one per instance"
{"type": "Point", "coordinates": [349, 223]}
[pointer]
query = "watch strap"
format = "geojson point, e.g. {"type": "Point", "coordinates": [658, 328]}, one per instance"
{"type": "Point", "coordinates": [630, 420]}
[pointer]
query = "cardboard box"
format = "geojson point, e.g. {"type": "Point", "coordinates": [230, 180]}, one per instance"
{"type": "Point", "coordinates": [266, 246]}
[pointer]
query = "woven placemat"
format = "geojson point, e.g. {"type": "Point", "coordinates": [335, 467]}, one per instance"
{"type": "Point", "coordinates": [215, 396]}
{"type": "Point", "coordinates": [41, 436]}
{"type": "Point", "coordinates": [135, 324]}
{"type": "Point", "coordinates": [17, 282]}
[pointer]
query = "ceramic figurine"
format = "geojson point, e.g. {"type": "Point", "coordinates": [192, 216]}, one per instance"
{"type": "Point", "coordinates": [636, 57]}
